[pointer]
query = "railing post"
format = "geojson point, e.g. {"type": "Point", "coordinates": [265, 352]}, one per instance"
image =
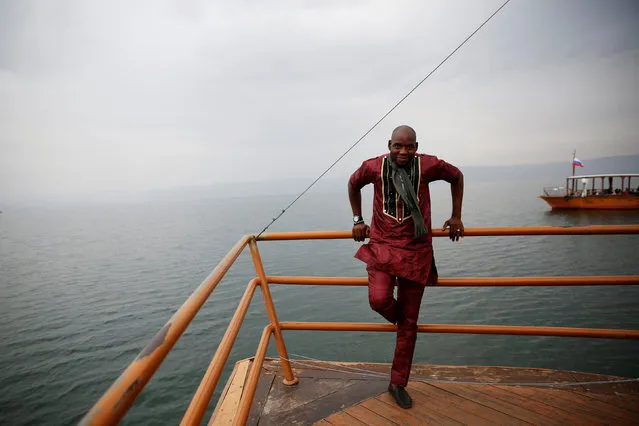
{"type": "Point", "coordinates": [289, 378]}
{"type": "Point", "coordinates": [246, 400]}
{"type": "Point", "coordinates": [202, 398]}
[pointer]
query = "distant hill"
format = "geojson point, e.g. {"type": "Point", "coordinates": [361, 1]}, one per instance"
{"type": "Point", "coordinates": [553, 172]}
{"type": "Point", "coordinates": [545, 174]}
{"type": "Point", "coordinates": [549, 173]}
{"type": "Point", "coordinates": [540, 174]}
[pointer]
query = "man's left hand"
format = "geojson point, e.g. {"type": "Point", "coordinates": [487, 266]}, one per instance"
{"type": "Point", "coordinates": [456, 228]}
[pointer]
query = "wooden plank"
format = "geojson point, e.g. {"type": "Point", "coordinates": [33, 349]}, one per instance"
{"type": "Point", "coordinates": [439, 405]}
{"type": "Point", "coordinates": [628, 402]}
{"type": "Point", "coordinates": [228, 409]}
{"type": "Point", "coordinates": [583, 408]}
{"type": "Point", "coordinates": [284, 398]}
{"type": "Point", "coordinates": [322, 423]}
{"type": "Point", "coordinates": [606, 388]}
{"type": "Point", "coordinates": [462, 409]}
{"type": "Point", "coordinates": [420, 410]}
{"type": "Point", "coordinates": [394, 414]}
{"type": "Point", "coordinates": [220, 400]}
{"type": "Point", "coordinates": [472, 393]}
{"type": "Point", "coordinates": [542, 409]}
{"type": "Point", "coordinates": [323, 407]}
{"type": "Point", "coordinates": [368, 417]}
{"type": "Point", "coordinates": [622, 405]}
{"type": "Point", "coordinates": [259, 400]}
{"type": "Point", "coordinates": [343, 419]}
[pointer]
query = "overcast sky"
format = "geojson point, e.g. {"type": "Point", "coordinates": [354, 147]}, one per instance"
{"type": "Point", "coordinates": [133, 95]}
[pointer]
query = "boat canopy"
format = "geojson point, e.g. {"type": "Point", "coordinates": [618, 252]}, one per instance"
{"type": "Point", "coordinates": [573, 184]}
{"type": "Point", "coordinates": [604, 176]}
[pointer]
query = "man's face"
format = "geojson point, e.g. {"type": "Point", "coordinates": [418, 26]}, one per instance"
{"type": "Point", "coordinates": [403, 147]}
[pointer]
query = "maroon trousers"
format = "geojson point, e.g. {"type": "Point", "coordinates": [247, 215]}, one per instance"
{"type": "Point", "coordinates": [404, 312]}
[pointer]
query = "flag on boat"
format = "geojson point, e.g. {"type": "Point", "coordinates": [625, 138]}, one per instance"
{"type": "Point", "coordinates": [577, 162]}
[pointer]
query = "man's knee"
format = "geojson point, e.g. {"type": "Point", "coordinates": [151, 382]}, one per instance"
{"type": "Point", "coordinates": [380, 290]}
{"type": "Point", "coordinates": [379, 302]}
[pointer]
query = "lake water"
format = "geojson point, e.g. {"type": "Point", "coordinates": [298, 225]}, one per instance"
{"type": "Point", "coordinates": [83, 289]}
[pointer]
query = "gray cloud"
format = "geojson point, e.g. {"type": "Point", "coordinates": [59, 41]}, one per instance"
{"type": "Point", "coordinates": [137, 95]}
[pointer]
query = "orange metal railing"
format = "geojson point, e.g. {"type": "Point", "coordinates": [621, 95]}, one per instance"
{"type": "Point", "coordinates": [117, 400]}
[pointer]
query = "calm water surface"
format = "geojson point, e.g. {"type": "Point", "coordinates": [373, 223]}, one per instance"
{"type": "Point", "coordinates": [84, 289]}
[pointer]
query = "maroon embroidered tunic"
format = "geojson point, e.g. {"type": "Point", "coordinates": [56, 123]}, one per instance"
{"type": "Point", "coordinates": [392, 247]}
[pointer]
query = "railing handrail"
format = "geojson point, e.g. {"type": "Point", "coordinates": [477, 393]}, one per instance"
{"type": "Point", "coordinates": [116, 401]}
{"type": "Point", "coordinates": [512, 231]}
{"type": "Point", "coordinates": [512, 330]}
{"type": "Point", "coordinates": [554, 281]}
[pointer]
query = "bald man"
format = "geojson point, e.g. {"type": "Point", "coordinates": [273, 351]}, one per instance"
{"type": "Point", "coordinates": [400, 252]}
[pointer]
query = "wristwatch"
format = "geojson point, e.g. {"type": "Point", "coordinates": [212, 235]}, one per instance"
{"type": "Point", "coordinates": [358, 220]}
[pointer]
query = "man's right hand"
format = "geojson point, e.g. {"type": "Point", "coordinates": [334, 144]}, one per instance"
{"type": "Point", "coordinates": [361, 232]}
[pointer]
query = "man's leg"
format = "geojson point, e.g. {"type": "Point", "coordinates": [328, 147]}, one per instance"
{"type": "Point", "coordinates": [409, 299]}
{"type": "Point", "coordinates": [380, 294]}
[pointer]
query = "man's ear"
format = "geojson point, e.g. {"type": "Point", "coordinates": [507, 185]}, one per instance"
{"type": "Point", "coordinates": [416, 146]}
{"type": "Point", "coordinates": [389, 144]}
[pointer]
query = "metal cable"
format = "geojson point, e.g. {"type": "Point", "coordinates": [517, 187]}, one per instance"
{"type": "Point", "coordinates": [383, 117]}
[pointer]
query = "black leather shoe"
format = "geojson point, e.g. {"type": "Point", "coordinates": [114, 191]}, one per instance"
{"type": "Point", "coordinates": [401, 396]}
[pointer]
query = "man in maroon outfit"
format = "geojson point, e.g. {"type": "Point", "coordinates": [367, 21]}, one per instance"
{"type": "Point", "coordinates": [400, 250]}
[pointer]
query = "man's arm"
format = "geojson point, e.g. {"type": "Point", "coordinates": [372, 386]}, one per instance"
{"type": "Point", "coordinates": [355, 197]}
{"type": "Point", "coordinates": [455, 225]}
{"type": "Point", "coordinates": [457, 193]}
{"type": "Point", "coordinates": [362, 176]}
{"type": "Point", "coordinates": [361, 230]}
{"type": "Point", "coordinates": [441, 170]}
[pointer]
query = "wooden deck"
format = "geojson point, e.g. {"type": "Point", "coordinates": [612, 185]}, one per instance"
{"type": "Point", "coordinates": [326, 397]}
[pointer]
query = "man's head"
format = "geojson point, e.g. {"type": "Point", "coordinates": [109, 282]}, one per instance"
{"type": "Point", "coordinates": [403, 145]}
